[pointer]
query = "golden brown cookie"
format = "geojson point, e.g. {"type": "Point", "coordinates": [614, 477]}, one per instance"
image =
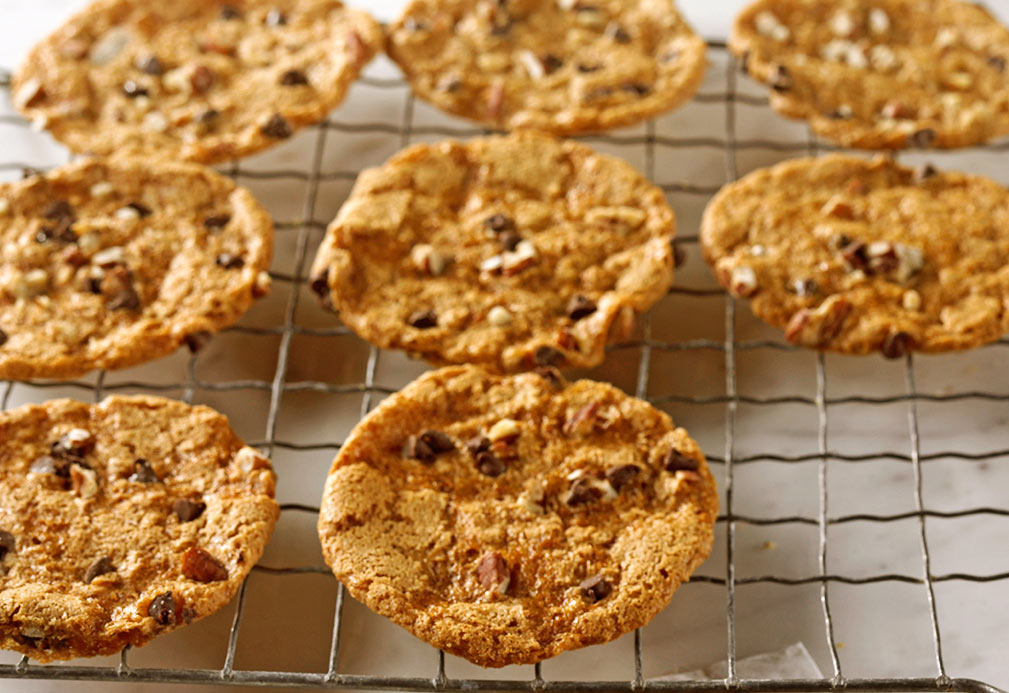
{"type": "Point", "coordinates": [108, 263]}
{"type": "Point", "coordinates": [507, 519]}
{"type": "Point", "coordinates": [512, 252]}
{"type": "Point", "coordinates": [857, 256]}
{"type": "Point", "coordinates": [122, 520]}
{"type": "Point", "coordinates": [556, 66]}
{"type": "Point", "coordinates": [202, 80]}
{"type": "Point", "coordinates": [881, 74]}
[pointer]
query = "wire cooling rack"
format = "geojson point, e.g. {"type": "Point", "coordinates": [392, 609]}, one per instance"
{"type": "Point", "coordinates": [731, 144]}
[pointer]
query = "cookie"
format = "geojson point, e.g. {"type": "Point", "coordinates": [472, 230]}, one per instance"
{"type": "Point", "coordinates": [564, 67]}
{"type": "Point", "coordinates": [858, 256]}
{"type": "Point", "coordinates": [881, 74]}
{"type": "Point", "coordinates": [511, 252]}
{"type": "Point", "coordinates": [108, 263]}
{"type": "Point", "coordinates": [506, 519]}
{"type": "Point", "coordinates": [202, 80]}
{"type": "Point", "coordinates": [122, 520]}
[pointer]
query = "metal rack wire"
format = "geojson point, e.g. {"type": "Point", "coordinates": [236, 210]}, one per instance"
{"type": "Point", "coordinates": [937, 679]}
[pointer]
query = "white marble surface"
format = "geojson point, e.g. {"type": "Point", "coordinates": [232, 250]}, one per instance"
{"type": "Point", "coordinates": [881, 629]}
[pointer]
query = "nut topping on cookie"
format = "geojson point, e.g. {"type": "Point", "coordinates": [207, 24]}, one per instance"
{"type": "Point", "coordinates": [493, 573]}
{"type": "Point", "coordinates": [83, 480]}
{"type": "Point", "coordinates": [595, 588]}
{"type": "Point", "coordinates": [162, 609]}
{"type": "Point", "coordinates": [143, 473]}
{"type": "Point", "coordinates": [583, 421]}
{"type": "Point", "coordinates": [199, 565]}
{"type": "Point", "coordinates": [503, 429]}
{"type": "Point", "coordinates": [100, 566]}
{"type": "Point", "coordinates": [426, 259]}
{"type": "Point", "coordinates": [73, 445]}
{"type": "Point", "coordinates": [188, 510]}
{"type": "Point", "coordinates": [676, 461]}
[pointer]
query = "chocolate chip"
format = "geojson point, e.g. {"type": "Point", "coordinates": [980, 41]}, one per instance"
{"type": "Point", "coordinates": [489, 464]}
{"type": "Point", "coordinates": [552, 376]}
{"type": "Point", "coordinates": [202, 79]}
{"type": "Point", "coordinates": [320, 284]}
{"type": "Point", "coordinates": [551, 63]}
{"type": "Point", "coordinates": [93, 285]}
{"type": "Point", "coordinates": [143, 473]}
{"type": "Point", "coordinates": [587, 69]}
{"type": "Point", "coordinates": [61, 232]}
{"type": "Point", "coordinates": [637, 88]}
{"type": "Point", "coordinates": [293, 78]}
{"type": "Point", "coordinates": [276, 18]}
{"type": "Point", "coordinates": [216, 222]}
{"type": "Point", "coordinates": [547, 356]}
{"type": "Point", "coordinates": [197, 340]}
{"type": "Point", "coordinates": [416, 448]}
{"type": "Point", "coordinates": [676, 461]}
{"type": "Point", "coordinates": [140, 208]}
{"type": "Point", "coordinates": [199, 565]}
{"type": "Point", "coordinates": [229, 261]}
{"type": "Point", "coordinates": [617, 33]}
{"type": "Point", "coordinates": [580, 307]}
{"type": "Point", "coordinates": [997, 62]}
{"type": "Point", "coordinates": [499, 223]}
{"type": "Point", "coordinates": [595, 588]}
{"type": "Point", "coordinates": [207, 117]}
{"type": "Point", "coordinates": [60, 209]}
{"type": "Point", "coordinates": [510, 240]}
{"type": "Point", "coordinates": [493, 573]}
{"type": "Point", "coordinates": [188, 510]}
{"type": "Point", "coordinates": [924, 172]}
{"type": "Point", "coordinates": [478, 444]}
{"type": "Point", "coordinates": [151, 66]}
{"type": "Point", "coordinates": [896, 345]}
{"type": "Point", "coordinates": [47, 464]}
{"type": "Point", "coordinates": [438, 441]}
{"type": "Point", "coordinates": [679, 255]}
{"type": "Point", "coordinates": [422, 319]}
{"type": "Point", "coordinates": [7, 543]}
{"type": "Point", "coordinates": [923, 139]}
{"type": "Point", "coordinates": [278, 127]}
{"type": "Point", "coordinates": [583, 491]}
{"type": "Point", "coordinates": [133, 90]}
{"type": "Point", "coordinates": [622, 475]}
{"type": "Point", "coordinates": [781, 79]}
{"type": "Point", "coordinates": [855, 254]}
{"type": "Point", "coordinates": [3, 337]}
{"type": "Point", "coordinates": [72, 445]}
{"type": "Point", "coordinates": [100, 566]}
{"type": "Point", "coordinates": [229, 12]}
{"type": "Point", "coordinates": [162, 609]}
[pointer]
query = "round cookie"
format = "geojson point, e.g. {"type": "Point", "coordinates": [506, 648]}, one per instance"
{"type": "Point", "coordinates": [108, 263]}
{"type": "Point", "coordinates": [202, 80]}
{"type": "Point", "coordinates": [506, 519]}
{"type": "Point", "coordinates": [857, 256]}
{"type": "Point", "coordinates": [881, 74]}
{"type": "Point", "coordinates": [511, 252]}
{"type": "Point", "coordinates": [556, 66]}
{"type": "Point", "coordinates": [122, 520]}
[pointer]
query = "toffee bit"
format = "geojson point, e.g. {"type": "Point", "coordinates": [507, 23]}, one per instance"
{"type": "Point", "coordinates": [676, 461]}
{"type": "Point", "coordinates": [277, 127]}
{"type": "Point", "coordinates": [422, 319]}
{"type": "Point", "coordinates": [188, 510]}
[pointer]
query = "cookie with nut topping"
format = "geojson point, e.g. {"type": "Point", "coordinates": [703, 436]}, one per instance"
{"type": "Point", "coordinates": [122, 520]}
{"type": "Point", "coordinates": [881, 74]}
{"type": "Point", "coordinates": [507, 519]}
{"type": "Point", "coordinates": [202, 80]}
{"type": "Point", "coordinates": [858, 256]}
{"type": "Point", "coordinates": [511, 252]}
{"type": "Point", "coordinates": [559, 66]}
{"type": "Point", "coordinates": [109, 263]}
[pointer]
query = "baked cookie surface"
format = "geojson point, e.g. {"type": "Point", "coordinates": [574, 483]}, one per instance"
{"type": "Point", "coordinates": [507, 519]}
{"type": "Point", "coordinates": [202, 80]}
{"type": "Point", "coordinates": [857, 256]}
{"type": "Point", "coordinates": [122, 520]}
{"type": "Point", "coordinates": [512, 252]}
{"type": "Point", "coordinates": [108, 263]}
{"type": "Point", "coordinates": [881, 74]}
{"type": "Point", "coordinates": [563, 67]}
